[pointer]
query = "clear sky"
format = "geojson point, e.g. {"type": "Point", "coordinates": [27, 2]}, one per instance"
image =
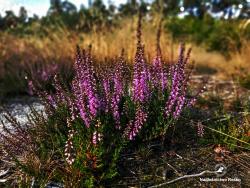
{"type": "Point", "coordinates": [40, 7]}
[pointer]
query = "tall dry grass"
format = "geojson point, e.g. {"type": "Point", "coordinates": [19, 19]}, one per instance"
{"type": "Point", "coordinates": [19, 55]}
{"type": "Point", "coordinates": [216, 64]}
{"type": "Point", "coordinates": [109, 44]}
{"type": "Point", "coordinates": [22, 57]}
{"type": "Point", "coordinates": [59, 45]}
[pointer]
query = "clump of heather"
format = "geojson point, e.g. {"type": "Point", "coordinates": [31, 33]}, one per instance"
{"type": "Point", "coordinates": [107, 109]}
{"type": "Point", "coordinates": [104, 110]}
{"type": "Point", "coordinates": [40, 76]}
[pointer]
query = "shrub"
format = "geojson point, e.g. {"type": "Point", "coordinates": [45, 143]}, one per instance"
{"type": "Point", "coordinates": [89, 124]}
{"type": "Point", "coordinates": [215, 35]}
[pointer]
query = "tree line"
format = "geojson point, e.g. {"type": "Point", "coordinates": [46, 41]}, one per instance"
{"type": "Point", "coordinates": [98, 14]}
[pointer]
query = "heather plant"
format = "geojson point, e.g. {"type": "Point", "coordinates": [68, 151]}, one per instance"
{"type": "Point", "coordinates": [40, 75]}
{"type": "Point", "coordinates": [91, 122]}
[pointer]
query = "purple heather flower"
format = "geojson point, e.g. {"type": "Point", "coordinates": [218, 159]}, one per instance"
{"type": "Point", "coordinates": [179, 84]}
{"type": "Point", "coordinates": [93, 104]}
{"type": "Point", "coordinates": [88, 83]}
{"type": "Point", "coordinates": [163, 80]}
{"type": "Point", "coordinates": [107, 91]}
{"type": "Point", "coordinates": [96, 137]}
{"type": "Point", "coordinates": [31, 87]}
{"type": "Point", "coordinates": [135, 126]}
{"type": "Point", "coordinates": [193, 100]}
{"type": "Point", "coordinates": [200, 129]}
{"type": "Point", "coordinates": [44, 75]}
{"type": "Point", "coordinates": [155, 72]}
{"type": "Point", "coordinates": [80, 103]}
{"type": "Point", "coordinates": [115, 108]}
{"type": "Point", "coordinates": [54, 68]}
{"type": "Point", "coordinates": [85, 88]}
{"type": "Point", "coordinates": [59, 91]}
{"type": "Point", "coordinates": [51, 100]}
{"type": "Point", "coordinates": [159, 78]}
{"type": "Point", "coordinates": [72, 108]}
{"type": "Point", "coordinates": [140, 87]}
{"type": "Point", "coordinates": [179, 107]}
{"type": "Point", "coordinates": [118, 90]}
{"type": "Point", "coordinates": [69, 149]}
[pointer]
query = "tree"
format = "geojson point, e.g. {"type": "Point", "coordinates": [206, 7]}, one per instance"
{"type": "Point", "coordinates": [89, 3]}
{"type": "Point", "coordinates": [68, 7]}
{"type": "Point", "coordinates": [167, 7]}
{"type": "Point", "coordinates": [69, 14]}
{"type": "Point", "coordinates": [34, 18]}
{"type": "Point", "coordinates": [111, 8]}
{"type": "Point", "coordinates": [130, 8]}
{"type": "Point", "coordinates": [98, 12]}
{"type": "Point", "coordinates": [1, 22]}
{"type": "Point", "coordinates": [23, 15]}
{"type": "Point", "coordinates": [192, 3]}
{"type": "Point", "coordinates": [55, 7]}
{"type": "Point", "coordinates": [10, 19]}
{"type": "Point", "coordinates": [245, 12]}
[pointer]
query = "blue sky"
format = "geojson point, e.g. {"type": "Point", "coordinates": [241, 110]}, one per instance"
{"type": "Point", "coordinates": [40, 7]}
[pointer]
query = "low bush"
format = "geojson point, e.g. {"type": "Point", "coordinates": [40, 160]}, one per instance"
{"type": "Point", "coordinates": [215, 35]}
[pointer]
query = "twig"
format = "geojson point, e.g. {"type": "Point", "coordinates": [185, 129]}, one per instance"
{"type": "Point", "coordinates": [8, 162]}
{"type": "Point", "coordinates": [132, 172]}
{"type": "Point", "coordinates": [4, 172]}
{"type": "Point", "coordinates": [178, 156]}
{"type": "Point", "coordinates": [33, 182]}
{"type": "Point", "coordinates": [174, 169]}
{"type": "Point", "coordinates": [183, 177]}
{"type": "Point", "coordinates": [3, 180]}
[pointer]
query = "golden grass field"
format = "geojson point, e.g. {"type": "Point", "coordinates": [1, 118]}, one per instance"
{"type": "Point", "coordinates": [59, 47]}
